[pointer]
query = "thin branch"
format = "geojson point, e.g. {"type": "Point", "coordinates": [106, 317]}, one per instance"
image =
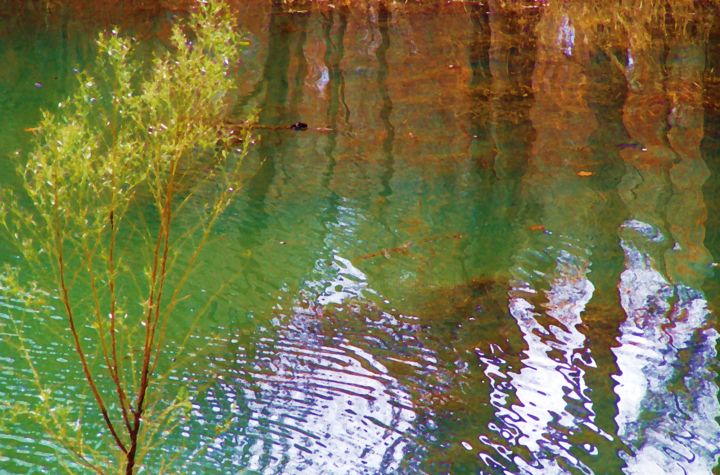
{"type": "Point", "coordinates": [38, 384]}
{"type": "Point", "coordinates": [76, 337]}
{"type": "Point", "coordinates": [113, 301]}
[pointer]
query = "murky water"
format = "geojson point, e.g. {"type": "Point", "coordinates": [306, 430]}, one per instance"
{"type": "Point", "coordinates": [494, 250]}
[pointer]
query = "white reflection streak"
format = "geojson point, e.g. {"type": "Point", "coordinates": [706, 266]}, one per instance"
{"type": "Point", "coordinates": [662, 319]}
{"type": "Point", "coordinates": [545, 383]}
{"type": "Point", "coordinates": [337, 408]}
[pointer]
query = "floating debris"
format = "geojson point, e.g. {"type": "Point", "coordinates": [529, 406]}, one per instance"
{"type": "Point", "coordinates": [632, 145]}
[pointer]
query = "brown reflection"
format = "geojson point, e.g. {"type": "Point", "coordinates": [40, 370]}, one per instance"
{"type": "Point", "coordinates": [334, 38]}
{"type": "Point", "coordinates": [147, 18]}
{"type": "Point", "coordinates": [546, 400]}
{"type": "Point", "coordinates": [512, 62]}
{"type": "Point", "coordinates": [689, 261]}
{"type": "Point", "coordinates": [710, 148]}
{"type": "Point", "coordinates": [383, 23]}
{"type": "Point", "coordinates": [664, 117]}
{"type": "Point", "coordinates": [479, 48]}
{"type": "Point", "coordinates": [481, 147]}
{"type": "Point", "coordinates": [605, 95]}
{"type": "Point", "coordinates": [301, 68]}
{"type": "Point", "coordinates": [334, 53]}
{"type": "Point", "coordinates": [666, 262]}
{"type": "Point", "coordinates": [501, 50]}
{"type": "Point", "coordinates": [286, 40]}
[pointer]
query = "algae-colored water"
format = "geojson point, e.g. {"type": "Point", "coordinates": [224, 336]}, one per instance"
{"type": "Point", "coordinates": [494, 250]}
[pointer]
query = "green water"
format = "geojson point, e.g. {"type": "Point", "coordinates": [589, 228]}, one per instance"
{"type": "Point", "coordinates": [494, 250]}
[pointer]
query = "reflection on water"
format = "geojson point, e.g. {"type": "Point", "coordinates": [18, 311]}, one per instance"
{"type": "Point", "coordinates": [539, 406]}
{"type": "Point", "coordinates": [667, 398]}
{"type": "Point", "coordinates": [545, 403]}
{"type": "Point", "coordinates": [313, 401]}
{"type": "Point", "coordinates": [665, 344]}
{"type": "Point", "coordinates": [493, 250]}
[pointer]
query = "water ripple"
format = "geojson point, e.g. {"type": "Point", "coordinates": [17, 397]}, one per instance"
{"type": "Point", "coordinates": [540, 405]}
{"type": "Point", "coordinates": [311, 399]}
{"type": "Point", "coordinates": [667, 397]}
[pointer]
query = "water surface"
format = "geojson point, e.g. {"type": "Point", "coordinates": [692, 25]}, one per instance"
{"type": "Point", "coordinates": [494, 250]}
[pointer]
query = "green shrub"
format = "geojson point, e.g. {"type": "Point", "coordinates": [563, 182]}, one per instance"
{"type": "Point", "coordinates": [130, 138]}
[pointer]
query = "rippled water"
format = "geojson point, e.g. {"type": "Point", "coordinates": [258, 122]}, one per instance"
{"type": "Point", "coordinates": [494, 250]}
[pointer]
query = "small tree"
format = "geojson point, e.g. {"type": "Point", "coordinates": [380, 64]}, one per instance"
{"type": "Point", "coordinates": [113, 169]}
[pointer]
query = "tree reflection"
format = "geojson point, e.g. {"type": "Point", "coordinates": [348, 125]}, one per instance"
{"type": "Point", "coordinates": [544, 404]}
{"type": "Point", "coordinates": [500, 261]}
{"type": "Point", "coordinates": [383, 23]}
{"type": "Point", "coordinates": [582, 163]}
{"type": "Point", "coordinates": [286, 31]}
{"type": "Point", "coordinates": [667, 398]}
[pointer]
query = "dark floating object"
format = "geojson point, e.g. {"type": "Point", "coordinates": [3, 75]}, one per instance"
{"type": "Point", "coordinates": [299, 126]}
{"type": "Point", "coordinates": [632, 145]}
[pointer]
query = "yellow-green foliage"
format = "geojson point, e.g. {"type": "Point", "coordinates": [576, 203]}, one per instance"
{"type": "Point", "coordinates": [130, 136]}
{"type": "Point", "coordinates": [120, 132]}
